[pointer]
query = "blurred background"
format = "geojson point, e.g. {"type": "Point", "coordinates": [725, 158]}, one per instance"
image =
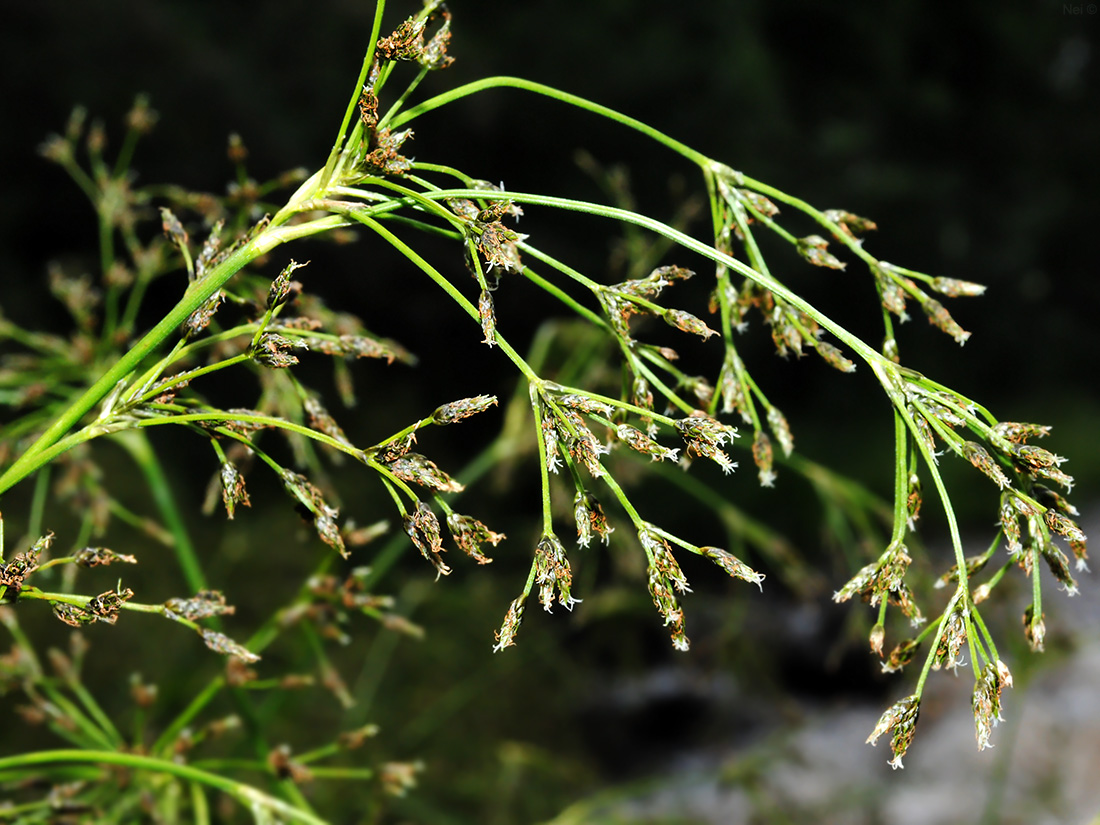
{"type": "Point", "coordinates": [968, 134]}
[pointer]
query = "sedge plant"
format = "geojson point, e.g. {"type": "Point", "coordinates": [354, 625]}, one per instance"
{"type": "Point", "coordinates": [116, 378]}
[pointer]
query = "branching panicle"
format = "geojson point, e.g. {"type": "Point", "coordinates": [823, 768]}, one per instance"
{"type": "Point", "coordinates": [605, 393]}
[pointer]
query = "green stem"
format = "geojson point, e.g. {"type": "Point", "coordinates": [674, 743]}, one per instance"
{"type": "Point", "coordinates": [544, 469]}
{"type": "Point", "coordinates": [125, 365]}
{"type": "Point", "coordinates": [941, 624]}
{"type": "Point", "coordinates": [896, 395]}
{"type": "Point", "coordinates": [95, 711]}
{"type": "Point", "coordinates": [48, 445]}
{"type": "Point", "coordinates": [502, 82]}
{"type": "Point", "coordinates": [167, 740]}
{"type": "Point", "coordinates": [141, 451]}
{"type": "Point", "coordinates": [446, 285]}
{"type": "Point", "coordinates": [325, 177]}
{"type": "Point", "coordinates": [901, 478]}
{"type": "Point", "coordinates": [245, 794]}
{"type": "Point", "coordinates": [867, 353]}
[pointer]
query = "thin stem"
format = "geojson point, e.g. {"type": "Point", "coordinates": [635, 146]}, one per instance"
{"type": "Point", "coordinates": [141, 451]}
{"type": "Point", "coordinates": [867, 353]}
{"type": "Point", "coordinates": [502, 82]}
{"type": "Point", "coordinates": [192, 299]}
{"type": "Point", "coordinates": [901, 478]}
{"type": "Point", "coordinates": [244, 794]}
{"type": "Point", "coordinates": [325, 176]}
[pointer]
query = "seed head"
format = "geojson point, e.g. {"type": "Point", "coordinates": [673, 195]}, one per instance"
{"type": "Point", "coordinates": [706, 436]}
{"type": "Point", "coordinates": [553, 574]}
{"type": "Point", "coordinates": [637, 440]}
{"type": "Point", "coordinates": [15, 572]}
{"type": "Point", "coordinates": [209, 256]}
{"type": "Point", "coordinates": [313, 502]}
{"type": "Point", "coordinates": [273, 350]}
{"type": "Point", "coordinates": [96, 556]}
{"type": "Point", "coordinates": [1054, 500]}
{"type": "Point", "coordinates": [422, 526]}
{"type": "Point", "coordinates": [977, 455]}
{"type": "Point", "coordinates": [924, 432]}
{"type": "Point", "coordinates": [890, 350]}
{"type": "Point", "coordinates": [220, 643]}
{"type": "Point", "coordinates": [173, 229]}
{"type": "Point", "coordinates": [952, 639]}
{"type": "Point", "coordinates": [913, 501]}
{"type": "Point", "coordinates": [1010, 522]}
{"type": "Point", "coordinates": [781, 430]}
{"type": "Point", "coordinates": [1035, 629]}
{"type": "Point", "coordinates": [901, 718]}
{"type": "Point", "coordinates": [1018, 432]}
{"type": "Point", "coordinates": [1059, 567]}
{"type": "Point", "coordinates": [1064, 526]}
{"type": "Point", "coordinates": [954, 288]}
{"type": "Point", "coordinates": [640, 394]}
{"type": "Point", "coordinates": [71, 614]}
{"type": "Point", "coordinates": [415, 468]}
{"type": "Point", "coordinates": [282, 286]}
{"type": "Point", "coordinates": [986, 701]}
{"type": "Point", "coordinates": [321, 420]}
{"type": "Point", "coordinates": [284, 767]}
{"type": "Point", "coordinates": [834, 357]}
{"type": "Point", "coordinates": [497, 245]}
{"type": "Point", "coordinates": [361, 346]}
{"type": "Point", "coordinates": [758, 202]}
{"type": "Point", "coordinates": [733, 566]}
{"type": "Point", "coordinates": [105, 606]}
{"type": "Point", "coordinates": [583, 446]}
{"type": "Point", "coordinates": [974, 564]}
{"type": "Point", "coordinates": [456, 411]}
{"type": "Point", "coordinates": [762, 457]}
{"type": "Point", "coordinates": [236, 151]}
{"type": "Point", "coordinates": [876, 638]}
{"type": "Point", "coordinates": [488, 318]}
{"type": "Point", "coordinates": [665, 600]}
{"type": "Point", "coordinates": [850, 224]}
{"type": "Point", "coordinates": [202, 605]}
{"type": "Point", "coordinates": [590, 519]}
{"type": "Point", "coordinates": [434, 56]}
{"type": "Point", "coordinates": [469, 534]}
{"type": "Point", "coordinates": [730, 385]}
{"type": "Point", "coordinates": [687, 322]}
{"type": "Point", "coordinates": [506, 636]}
{"type": "Point", "coordinates": [662, 560]}
{"type": "Point", "coordinates": [814, 249]}
{"type": "Point", "coordinates": [891, 289]}
{"type": "Point", "coordinates": [233, 489]}
{"type": "Point", "coordinates": [900, 656]}
{"type": "Point", "coordinates": [585, 404]}
{"type": "Point", "coordinates": [939, 317]}
{"type": "Point", "coordinates": [200, 319]}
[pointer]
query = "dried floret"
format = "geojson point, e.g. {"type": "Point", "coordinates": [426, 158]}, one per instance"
{"type": "Point", "coordinates": [901, 718]}
{"type": "Point", "coordinates": [553, 574]}
{"type": "Point", "coordinates": [96, 556]}
{"type": "Point", "coordinates": [220, 643]}
{"type": "Point", "coordinates": [422, 526]}
{"type": "Point", "coordinates": [463, 408]}
{"type": "Point", "coordinates": [469, 534]}
{"type": "Point", "coordinates": [505, 637]}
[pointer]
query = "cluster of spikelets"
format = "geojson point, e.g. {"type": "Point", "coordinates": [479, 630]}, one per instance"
{"type": "Point", "coordinates": [272, 324]}
{"type": "Point", "coordinates": [1033, 518]}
